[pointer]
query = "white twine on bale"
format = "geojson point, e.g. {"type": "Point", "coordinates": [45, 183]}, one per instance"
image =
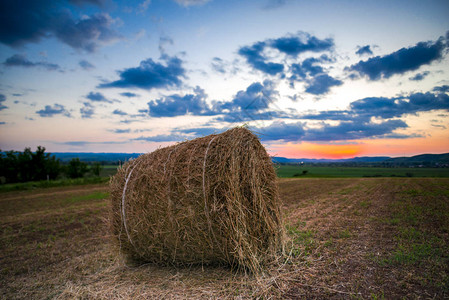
{"type": "Point", "coordinates": [123, 204]}
{"type": "Point", "coordinates": [206, 209]}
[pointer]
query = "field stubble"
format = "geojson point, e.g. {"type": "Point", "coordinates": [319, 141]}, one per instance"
{"type": "Point", "coordinates": [362, 238]}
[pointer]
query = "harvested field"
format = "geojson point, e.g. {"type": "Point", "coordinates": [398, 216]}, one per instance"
{"type": "Point", "coordinates": [365, 238]}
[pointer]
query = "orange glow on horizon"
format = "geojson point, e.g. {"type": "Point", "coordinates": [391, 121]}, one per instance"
{"type": "Point", "coordinates": [310, 150]}
{"type": "Point", "coordinates": [384, 147]}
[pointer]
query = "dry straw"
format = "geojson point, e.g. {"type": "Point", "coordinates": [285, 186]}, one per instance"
{"type": "Point", "coordinates": [209, 200]}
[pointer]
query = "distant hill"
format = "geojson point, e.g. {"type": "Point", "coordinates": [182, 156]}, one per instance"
{"type": "Point", "coordinates": [365, 159]}
{"type": "Point", "coordinates": [424, 159]}
{"type": "Point", "coordinates": [90, 157]}
{"type": "Point", "coordinates": [421, 159]}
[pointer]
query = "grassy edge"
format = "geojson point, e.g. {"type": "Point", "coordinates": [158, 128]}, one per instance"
{"type": "Point", "coordinates": [25, 186]}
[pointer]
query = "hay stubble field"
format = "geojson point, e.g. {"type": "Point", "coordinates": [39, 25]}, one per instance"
{"type": "Point", "coordinates": [362, 238]}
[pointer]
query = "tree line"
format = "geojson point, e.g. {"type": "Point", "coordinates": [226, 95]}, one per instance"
{"type": "Point", "coordinates": [16, 166]}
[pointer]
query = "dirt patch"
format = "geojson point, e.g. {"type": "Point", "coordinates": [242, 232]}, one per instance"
{"type": "Point", "coordinates": [349, 238]}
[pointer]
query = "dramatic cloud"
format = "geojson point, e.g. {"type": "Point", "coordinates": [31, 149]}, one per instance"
{"type": "Point", "coordinates": [291, 45]}
{"type": "Point", "coordinates": [387, 108]}
{"type": "Point", "coordinates": [97, 97]}
{"type": "Point", "coordinates": [250, 104]}
{"type": "Point", "coordinates": [256, 97]}
{"type": "Point", "coordinates": [351, 130]}
{"type": "Point", "coordinates": [401, 61]}
{"type": "Point", "coordinates": [50, 111]}
{"type": "Point", "coordinates": [2, 99]}
{"type": "Point", "coordinates": [302, 42]}
{"type": "Point", "coordinates": [201, 131]}
{"type": "Point", "coordinates": [19, 60]}
{"type": "Point", "coordinates": [29, 21]}
{"type": "Point", "coordinates": [354, 130]}
{"type": "Point", "coordinates": [321, 84]}
{"type": "Point", "coordinates": [129, 95]}
{"type": "Point", "coordinates": [419, 76]}
{"type": "Point", "coordinates": [365, 50]}
{"type": "Point", "coordinates": [254, 57]}
{"type": "Point", "coordinates": [150, 75]}
{"type": "Point", "coordinates": [177, 105]}
{"type": "Point", "coordinates": [87, 111]}
{"type": "Point", "coordinates": [279, 130]}
{"type": "Point", "coordinates": [309, 67]}
{"type": "Point", "coordinates": [396, 107]}
{"type": "Point", "coordinates": [441, 89]}
{"type": "Point", "coordinates": [88, 33]}
{"type": "Point", "coordinates": [86, 65]}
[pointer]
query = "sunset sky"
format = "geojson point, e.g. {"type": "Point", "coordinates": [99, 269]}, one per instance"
{"type": "Point", "coordinates": [314, 79]}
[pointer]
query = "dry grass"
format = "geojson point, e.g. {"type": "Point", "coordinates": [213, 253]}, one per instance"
{"type": "Point", "coordinates": [211, 200]}
{"type": "Point", "coordinates": [349, 238]}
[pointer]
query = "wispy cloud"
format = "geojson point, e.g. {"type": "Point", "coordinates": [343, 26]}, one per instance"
{"type": "Point", "coordinates": [50, 111]}
{"type": "Point", "coordinates": [18, 60]}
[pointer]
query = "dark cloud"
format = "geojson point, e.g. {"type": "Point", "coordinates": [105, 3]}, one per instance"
{"type": "Point", "coordinates": [88, 33]}
{"type": "Point", "coordinates": [201, 131]}
{"type": "Point", "coordinates": [18, 60]}
{"type": "Point", "coordinates": [119, 112]}
{"type": "Point", "coordinates": [86, 65]}
{"type": "Point", "coordinates": [386, 108]}
{"type": "Point", "coordinates": [351, 130]}
{"type": "Point", "coordinates": [419, 76]}
{"type": "Point", "coordinates": [442, 89]}
{"type": "Point", "coordinates": [177, 105]}
{"type": "Point", "coordinates": [250, 104]}
{"type": "Point", "coordinates": [87, 111]}
{"type": "Point", "coordinates": [254, 57]}
{"type": "Point", "coordinates": [256, 97]}
{"type": "Point", "coordinates": [2, 99]}
{"type": "Point", "coordinates": [291, 45]}
{"type": "Point", "coordinates": [280, 130]}
{"type": "Point", "coordinates": [150, 75]}
{"type": "Point", "coordinates": [83, 2]}
{"type": "Point", "coordinates": [401, 61]}
{"type": "Point", "coordinates": [129, 95]}
{"type": "Point", "coordinates": [29, 21]}
{"type": "Point", "coordinates": [50, 111]}
{"type": "Point", "coordinates": [97, 97]}
{"type": "Point", "coordinates": [302, 42]}
{"type": "Point", "coordinates": [396, 107]}
{"type": "Point", "coordinates": [365, 50]}
{"type": "Point", "coordinates": [321, 84]}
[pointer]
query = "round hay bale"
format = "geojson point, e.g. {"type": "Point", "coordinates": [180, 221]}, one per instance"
{"type": "Point", "coordinates": [209, 200]}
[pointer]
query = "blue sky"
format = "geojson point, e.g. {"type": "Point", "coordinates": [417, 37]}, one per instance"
{"type": "Point", "coordinates": [312, 78]}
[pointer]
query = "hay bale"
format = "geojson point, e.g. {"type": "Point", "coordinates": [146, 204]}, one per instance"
{"type": "Point", "coordinates": [209, 200]}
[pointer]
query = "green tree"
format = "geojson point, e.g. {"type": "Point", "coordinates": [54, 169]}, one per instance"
{"type": "Point", "coordinates": [76, 168]}
{"type": "Point", "coordinates": [28, 165]}
{"type": "Point", "coordinates": [95, 168]}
